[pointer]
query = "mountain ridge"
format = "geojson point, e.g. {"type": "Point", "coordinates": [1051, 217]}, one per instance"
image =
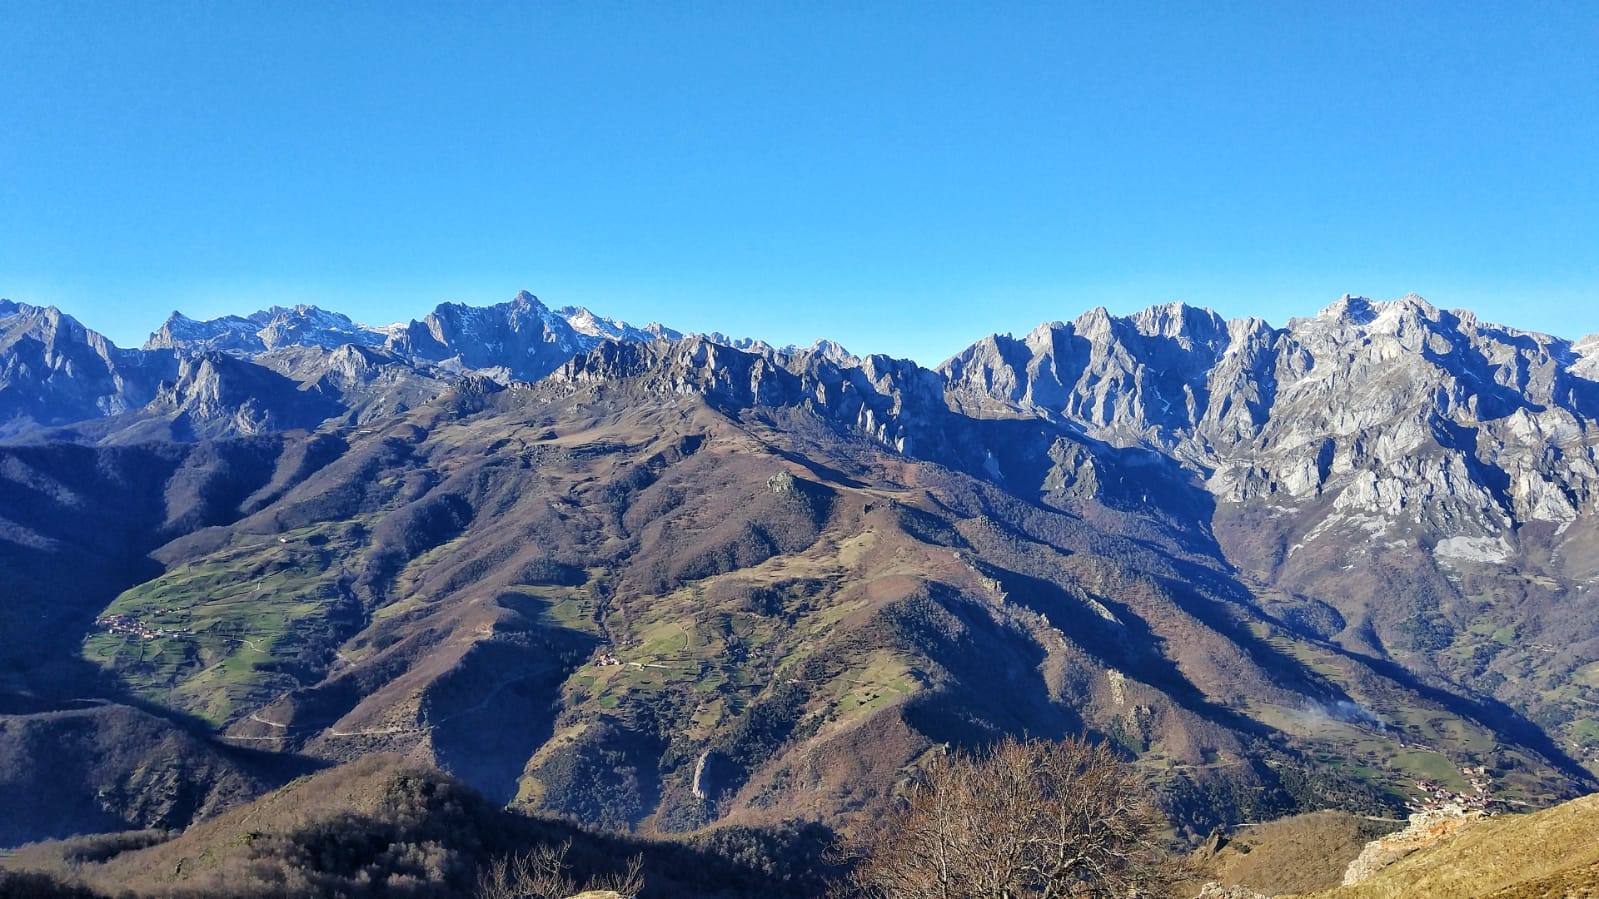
{"type": "Point", "coordinates": [756, 576]}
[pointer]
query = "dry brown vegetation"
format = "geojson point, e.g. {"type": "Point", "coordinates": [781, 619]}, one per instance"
{"type": "Point", "coordinates": [1026, 819]}
{"type": "Point", "coordinates": [542, 873]}
{"type": "Point", "coordinates": [1554, 852]}
{"type": "Point", "coordinates": [1291, 855]}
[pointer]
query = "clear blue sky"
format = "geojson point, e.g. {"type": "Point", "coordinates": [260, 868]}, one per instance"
{"type": "Point", "coordinates": [903, 177]}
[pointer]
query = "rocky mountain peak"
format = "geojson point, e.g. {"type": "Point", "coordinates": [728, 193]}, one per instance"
{"type": "Point", "coordinates": [1395, 399]}
{"type": "Point", "coordinates": [520, 338]}
{"type": "Point", "coordinates": [832, 351]}
{"type": "Point", "coordinates": [1096, 322]}
{"type": "Point", "coordinates": [1348, 308]}
{"type": "Point", "coordinates": [1040, 337]}
{"type": "Point", "coordinates": [53, 370]}
{"type": "Point", "coordinates": [1180, 321]}
{"type": "Point", "coordinates": [1586, 358]}
{"type": "Point", "coordinates": [266, 330]}
{"type": "Point", "coordinates": [44, 323]}
{"type": "Point", "coordinates": [747, 344]}
{"type": "Point", "coordinates": [694, 365]}
{"type": "Point", "coordinates": [599, 327]}
{"type": "Point", "coordinates": [215, 394]}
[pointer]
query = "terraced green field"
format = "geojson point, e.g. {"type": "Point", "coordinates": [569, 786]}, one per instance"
{"type": "Point", "coordinates": [237, 627]}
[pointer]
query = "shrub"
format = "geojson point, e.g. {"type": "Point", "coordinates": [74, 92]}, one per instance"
{"type": "Point", "coordinates": [1027, 819]}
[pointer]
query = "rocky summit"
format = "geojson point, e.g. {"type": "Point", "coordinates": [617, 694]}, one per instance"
{"type": "Point", "coordinates": [657, 582]}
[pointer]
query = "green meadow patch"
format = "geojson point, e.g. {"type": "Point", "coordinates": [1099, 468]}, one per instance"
{"type": "Point", "coordinates": [224, 634]}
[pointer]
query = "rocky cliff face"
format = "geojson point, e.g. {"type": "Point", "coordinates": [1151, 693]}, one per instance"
{"type": "Point", "coordinates": [599, 327]}
{"type": "Point", "coordinates": [520, 339]}
{"type": "Point", "coordinates": [267, 330]}
{"type": "Point", "coordinates": [1423, 830]}
{"type": "Point", "coordinates": [1548, 853]}
{"type": "Point", "coordinates": [214, 394]}
{"type": "Point", "coordinates": [1428, 479]}
{"type": "Point", "coordinates": [1391, 409]}
{"type": "Point", "coordinates": [889, 400]}
{"type": "Point", "coordinates": [54, 371]}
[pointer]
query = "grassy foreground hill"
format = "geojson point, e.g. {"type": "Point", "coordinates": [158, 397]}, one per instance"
{"type": "Point", "coordinates": [1296, 854]}
{"type": "Point", "coordinates": [1542, 855]}
{"type": "Point", "coordinates": [1548, 854]}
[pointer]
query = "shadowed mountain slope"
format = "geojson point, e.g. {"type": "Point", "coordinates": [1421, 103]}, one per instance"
{"type": "Point", "coordinates": [380, 827]}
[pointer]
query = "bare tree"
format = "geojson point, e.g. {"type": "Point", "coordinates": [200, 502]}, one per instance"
{"type": "Point", "coordinates": [1026, 820]}
{"type": "Point", "coordinates": [542, 873]}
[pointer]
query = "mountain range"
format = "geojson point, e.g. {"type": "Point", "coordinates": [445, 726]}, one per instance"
{"type": "Point", "coordinates": [664, 582]}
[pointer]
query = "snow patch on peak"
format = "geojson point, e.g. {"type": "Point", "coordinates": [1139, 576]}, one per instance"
{"type": "Point", "coordinates": [600, 327]}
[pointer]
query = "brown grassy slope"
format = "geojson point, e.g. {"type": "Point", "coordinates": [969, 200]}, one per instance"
{"type": "Point", "coordinates": [1554, 852]}
{"type": "Point", "coordinates": [1575, 883]}
{"type": "Point", "coordinates": [782, 631]}
{"type": "Point", "coordinates": [1294, 854]}
{"type": "Point", "coordinates": [797, 613]}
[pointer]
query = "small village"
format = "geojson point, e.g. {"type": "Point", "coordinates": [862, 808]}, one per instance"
{"type": "Point", "coordinates": [133, 627]}
{"type": "Point", "coordinates": [1435, 796]}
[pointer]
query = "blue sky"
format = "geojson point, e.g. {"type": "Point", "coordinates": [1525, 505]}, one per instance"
{"type": "Point", "coordinates": [903, 177]}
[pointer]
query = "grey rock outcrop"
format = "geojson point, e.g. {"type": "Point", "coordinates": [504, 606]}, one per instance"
{"type": "Point", "coordinates": [1423, 830]}
{"type": "Point", "coordinates": [54, 371]}
{"type": "Point", "coordinates": [266, 330]}
{"type": "Point", "coordinates": [1393, 409]}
